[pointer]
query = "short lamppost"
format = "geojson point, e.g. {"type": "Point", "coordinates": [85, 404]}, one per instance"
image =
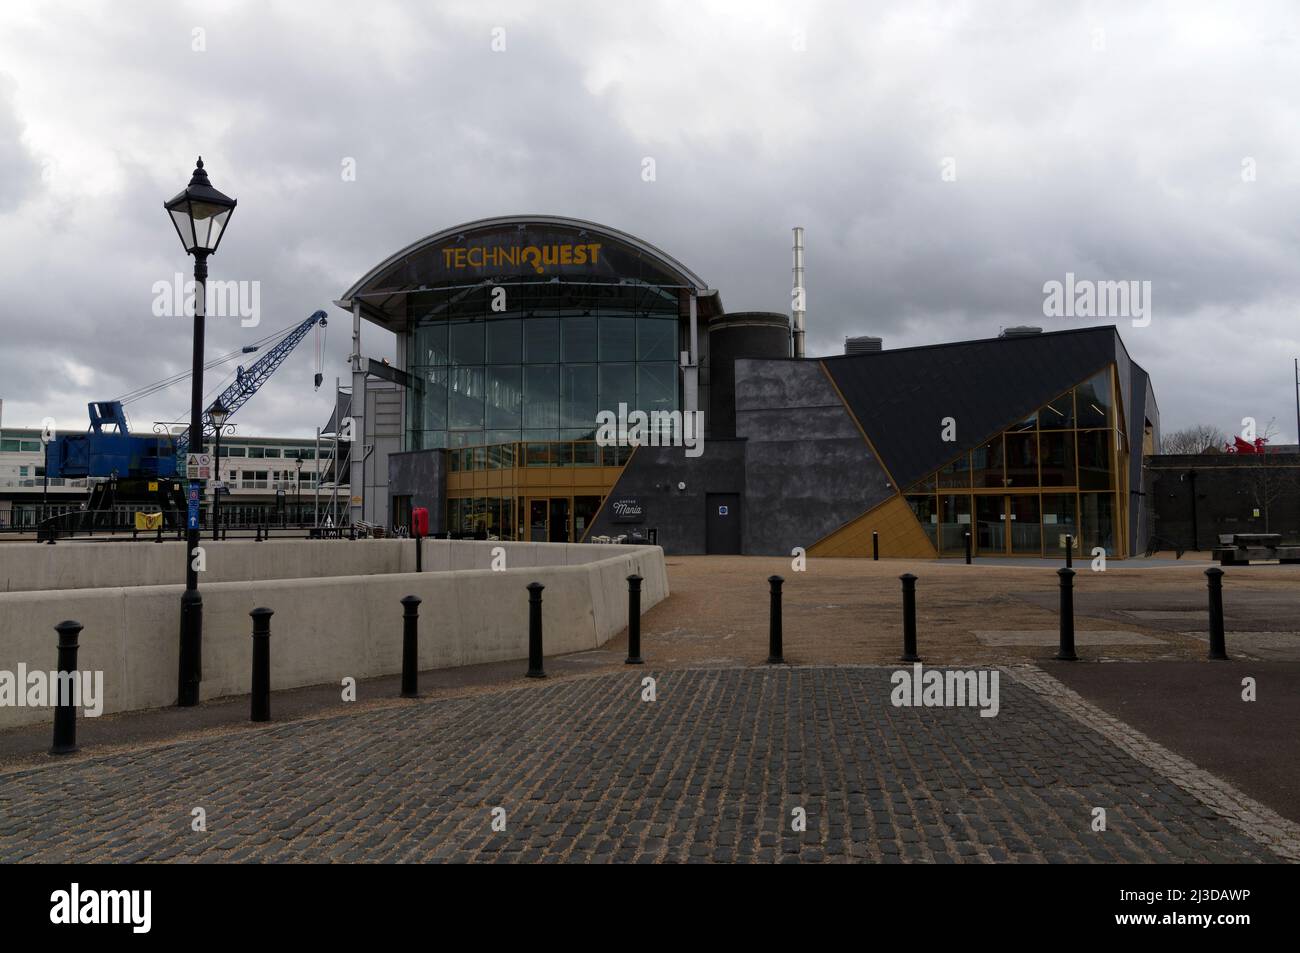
{"type": "Point", "coordinates": [218, 414]}
{"type": "Point", "coordinates": [297, 488]}
{"type": "Point", "coordinates": [200, 215]}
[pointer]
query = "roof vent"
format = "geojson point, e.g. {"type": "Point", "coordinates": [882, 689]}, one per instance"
{"type": "Point", "coordinates": [1020, 331]}
{"type": "Point", "coordinates": [864, 344]}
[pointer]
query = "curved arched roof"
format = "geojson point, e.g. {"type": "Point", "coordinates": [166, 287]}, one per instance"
{"type": "Point", "coordinates": [418, 265]}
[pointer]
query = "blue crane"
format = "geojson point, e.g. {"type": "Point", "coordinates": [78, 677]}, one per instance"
{"type": "Point", "coordinates": [248, 381]}
{"type": "Point", "coordinates": [101, 452]}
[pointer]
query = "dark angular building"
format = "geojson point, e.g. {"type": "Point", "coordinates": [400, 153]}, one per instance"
{"type": "Point", "coordinates": [516, 334]}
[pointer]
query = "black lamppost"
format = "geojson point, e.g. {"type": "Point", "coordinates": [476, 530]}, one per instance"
{"type": "Point", "coordinates": [297, 486]}
{"type": "Point", "coordinates": [46, 437]}
{"type": "Point", "coordinates": [218, 414]}
{"type": "Point", "coordinates": [200, 215]}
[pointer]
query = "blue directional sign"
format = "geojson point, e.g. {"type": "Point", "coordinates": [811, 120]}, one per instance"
{"type": "Point", "coordinates": [194, 514]}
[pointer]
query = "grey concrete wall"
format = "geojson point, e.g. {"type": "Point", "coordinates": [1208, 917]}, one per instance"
{"type": "Point", "coordinates": [808, 470]}
{"type": "Point", "coordinates": [330, 628]}
{"type": "Point", "coordinates": [36, 567]}
{"type": "Point", "coordinates": [652, 477]}
{"type": "Point", "coordinates": [422, 475]}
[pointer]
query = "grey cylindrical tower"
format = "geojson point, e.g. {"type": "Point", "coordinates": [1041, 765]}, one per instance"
{"type": "Point", "coordinates": [757, 334]}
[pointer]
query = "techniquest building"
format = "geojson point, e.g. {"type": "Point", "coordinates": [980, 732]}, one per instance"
{"type": "Point", "coordinates": [550, 376]}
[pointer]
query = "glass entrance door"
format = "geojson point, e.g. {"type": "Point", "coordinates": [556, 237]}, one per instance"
{"type": "Point", "coordinates": [559, 532]}
{"type": "Point", "coordinates": [1026, 525]}
{"type": "Point", "coordinates": [537, 528]}
{"type": "Point", "coordinates": [990, 525]}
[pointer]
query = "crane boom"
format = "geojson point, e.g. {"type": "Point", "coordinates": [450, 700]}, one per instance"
{"type": "Point", "coordinates": [247, 382]}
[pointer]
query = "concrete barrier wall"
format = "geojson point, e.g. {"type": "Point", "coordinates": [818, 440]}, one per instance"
{"type": "Point", "coordinates": [92, 565]}
{"type": "Point", "coordinates": [325, 629]}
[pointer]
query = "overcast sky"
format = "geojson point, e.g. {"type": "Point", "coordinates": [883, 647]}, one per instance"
{"type": "Point", "coordinates": [946, 160]}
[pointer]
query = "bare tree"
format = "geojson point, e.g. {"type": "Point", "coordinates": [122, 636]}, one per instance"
{"type": "Point", "coordinates": [1200, 438]}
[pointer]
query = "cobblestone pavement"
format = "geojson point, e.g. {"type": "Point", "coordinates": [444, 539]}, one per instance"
{"type": "Point", "coordinates": [586, 770]}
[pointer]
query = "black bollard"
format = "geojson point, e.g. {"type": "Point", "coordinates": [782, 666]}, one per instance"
{"type": "Point", "coordinates": [410, 646]}
{"type": "Point", "coordinates": [909, 618]}
{"type": "Point", "coordinates": [535, 669]}
{"type": "Point", "coordinates": [191, 653]}
{"type": "Point", "coordinates": [1069, 551]}
{"type": "Point", "coordinates": [65, 712]}
{"type": "Point", "coordinates": [158, 539]}
{"type": "Point", "coordinates": [633, 621]}
{"type": "Point", "coordinates": [1065, 653]}
{"type": "Point", "coordinates": [875, 545]}
{"type": "Point", "coordinates": [419, 554]}
{"type": "Point", "coordinates": [968, 549]}
{"type": "Point", "coordinates": [259, 533]}
{"type": "Point", "coordinates": [261, 701]}
{"type": "Point", "coordinates": [774, 654]}
{"type": "Point", "coordinates": [1218, 646]}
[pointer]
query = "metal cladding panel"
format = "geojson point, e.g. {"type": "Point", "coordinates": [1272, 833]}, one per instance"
{"type": "Point", "coordinates": [901, 397]}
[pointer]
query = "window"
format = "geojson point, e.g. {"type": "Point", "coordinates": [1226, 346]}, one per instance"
{"type": "Point", "coordinates": [617, 339]}
{"type": "Point", "coordinates": [235, 451]}
{"type": "Point", "coordinates": [656, 339]}
{"type": "Point", "coordinates": [257, 453]}
{"type": "Point", "coordinates": [541, 340]}
{"type": "Point", "coordinates": [1092, 401]}
{"type": "Point", "coordinates": [504, 341]}
{"type": "Point", "coordinates": [541, 396]}
{"type": "Point", "coordinates": [1058, 457]}
{"type": "Point", "coordinates": [580, 343]}
{"type": "Point", "coordinates": [986, 464]}
{"type": "Point", "coordinates": [273, 452]}
{"type": "Point", "coordinates": [466, 341]}
{"type": "Point", "coordinates": [504, 396]}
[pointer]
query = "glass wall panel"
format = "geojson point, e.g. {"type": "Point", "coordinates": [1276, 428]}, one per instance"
{"type": "Point", "coordinates": [466, 340]}
{"type": "Point", "coordinates": [1026, 530]}
{"type": "Point", "coordinates": [1093, 403]}
{"type": "Point", "coordinates": [956, 475]}
{"type": "Point", "coordinates": [1057, 448]}
{"type": "Point", "coordinates": [925, 507]}
{"type": "Point", "coordinates": [1058, 522]}
{"type": "Point", "coordinates": [541, 340]}
{"type": "Point", "coordinates": [1094, 460]}
{"type": "Point", "coordinates": [617, 339]}
{"type": "Point", "coordinates": [504, 341]}
{"type": "Point", "coordinates": [579, 341]}
{"type": "Point", "coordinates": [990, 525]}
{"type": "Point", "coordinates": [504, 397]}
{"type": "Point", "coordinates": [1022, 458]}
{"type": "Point", "coordinates": [579, 396]}
{"type": "Point", "coordinates": [1097, 522]}
{"type": "Point", "coordinates": [954, 522]}
{"type": "Point", "coordinates": [617, 385]}
{"type": "Point", "coordinates": [656, 339]}
{"type": "Point", "coordinates": [431, 344]}
{"type": "Point", "coordinates": [465, 397]}
{"type": "Point", "coordinates": [1057, 414]}
{"type": "Point", "coordinates": [986, 464]}
{"type": "Point", "coordinates": [656, 387]}
{"type": "Point", "coordinates": [541, 396]}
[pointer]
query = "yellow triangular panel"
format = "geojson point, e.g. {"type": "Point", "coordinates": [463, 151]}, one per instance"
{"type": "Point", "coordinates": [901, 536]}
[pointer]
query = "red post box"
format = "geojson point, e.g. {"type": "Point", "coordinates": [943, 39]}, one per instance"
{"type": "Point", "coordinates": [420, 521]}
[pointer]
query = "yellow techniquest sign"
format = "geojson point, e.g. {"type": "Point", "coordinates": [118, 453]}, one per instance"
{"type": "Point", "coordinates": [538, 257]}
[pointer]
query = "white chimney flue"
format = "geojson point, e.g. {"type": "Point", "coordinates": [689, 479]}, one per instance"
{"type": "Point", "coordinates": [797, 302]}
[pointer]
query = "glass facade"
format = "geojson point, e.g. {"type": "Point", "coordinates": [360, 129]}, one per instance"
{"type": "Point", "coordinates": [541, 369]}
{"type": "Point", "coordinates": [1062, 471]}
